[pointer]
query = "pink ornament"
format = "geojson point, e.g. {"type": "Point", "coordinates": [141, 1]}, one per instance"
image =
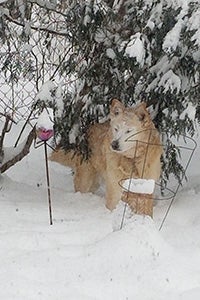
{"type": "Point", "coordinates": [44, 134]}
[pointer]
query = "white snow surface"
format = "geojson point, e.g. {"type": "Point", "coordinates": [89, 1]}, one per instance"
{"type": "Point", "coordinates": [82, 256]}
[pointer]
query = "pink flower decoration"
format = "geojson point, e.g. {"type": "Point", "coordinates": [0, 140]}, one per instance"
{"type": "Point", "coordinates": [44, 134]}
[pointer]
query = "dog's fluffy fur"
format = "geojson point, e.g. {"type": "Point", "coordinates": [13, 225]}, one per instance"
{"type": "Point", "coordinates": [126, 146]}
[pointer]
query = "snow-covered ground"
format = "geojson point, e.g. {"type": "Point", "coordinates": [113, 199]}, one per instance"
{"type": "Point", "coordinates": [83, 255]}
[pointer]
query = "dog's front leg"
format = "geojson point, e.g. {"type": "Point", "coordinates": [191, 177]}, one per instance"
{"type": "Point", "coordinates": [113, 189]}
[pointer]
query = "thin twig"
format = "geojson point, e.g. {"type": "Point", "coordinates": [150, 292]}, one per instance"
{"type": "Point", "coordinates": [24, 126]}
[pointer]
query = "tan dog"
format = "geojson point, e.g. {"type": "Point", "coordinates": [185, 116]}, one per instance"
{"type": "Point", "coordinates": [126, 146]}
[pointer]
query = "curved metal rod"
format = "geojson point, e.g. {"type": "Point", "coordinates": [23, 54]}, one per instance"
{"type": "Point", "coordinates": [174, 193]}
{"type": "Point", "coordinates": [161, 144]}
{"type": "Point", "coordinates": [156, 183]}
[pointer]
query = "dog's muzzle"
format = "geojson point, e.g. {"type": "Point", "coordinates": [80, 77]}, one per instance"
{"type": "Point", "coordinates": [115, 145]}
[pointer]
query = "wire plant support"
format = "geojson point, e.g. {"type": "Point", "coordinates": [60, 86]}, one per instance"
{"type": "Point", "coordinates": [188, 144]}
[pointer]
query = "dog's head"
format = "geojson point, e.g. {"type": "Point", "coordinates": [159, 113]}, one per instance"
{"type": "Point", "coordinates": [127, 125]}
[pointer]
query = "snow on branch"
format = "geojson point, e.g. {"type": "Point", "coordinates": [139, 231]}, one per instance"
{"type": "Point", "coordinates": [194, 22]}
{"type": "Point", "coordinates": [170, 81]}
{"type": "Point", "coordinates": [46, 92]}
{"type": "Point", "coordinates": [136, 49]}
{"type": "Point", "coordinates": [172, 38]}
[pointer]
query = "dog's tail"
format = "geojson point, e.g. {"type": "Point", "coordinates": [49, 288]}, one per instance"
{"type": "Point", "coordinates": [65, 158]}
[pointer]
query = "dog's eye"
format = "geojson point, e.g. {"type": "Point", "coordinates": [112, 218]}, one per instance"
{"type": "Point", "coordinates": [116, 129]}
{"type": "Point", "coordinates": [128, 131]}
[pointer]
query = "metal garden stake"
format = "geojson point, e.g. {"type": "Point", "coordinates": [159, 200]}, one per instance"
{"type": "Point", "coordinates": [44, 134]}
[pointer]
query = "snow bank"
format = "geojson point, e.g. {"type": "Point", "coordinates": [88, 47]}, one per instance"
{"type": "Point", "coordinates": [80, 257]}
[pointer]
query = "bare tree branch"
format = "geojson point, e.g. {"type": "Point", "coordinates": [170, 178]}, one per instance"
{"type": "Point", "coordinates": [60, 33]}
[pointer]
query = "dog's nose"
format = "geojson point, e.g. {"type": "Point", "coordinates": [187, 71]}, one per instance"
{"type": "Point", "coordinates": [115, 145]}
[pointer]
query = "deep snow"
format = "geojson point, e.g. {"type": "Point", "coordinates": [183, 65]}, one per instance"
{"type": "Point", "coordinates": [84, 255]}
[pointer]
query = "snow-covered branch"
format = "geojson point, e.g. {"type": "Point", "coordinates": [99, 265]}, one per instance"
{"type": "Point", "coordinates": [12, 155]}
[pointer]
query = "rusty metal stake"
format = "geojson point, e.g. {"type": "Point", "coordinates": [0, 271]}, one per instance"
{"type": "Point", "coordinates": [48, 184]}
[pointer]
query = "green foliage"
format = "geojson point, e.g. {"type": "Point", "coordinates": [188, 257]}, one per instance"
{"type": "Point", "coordinates": [171, 164]}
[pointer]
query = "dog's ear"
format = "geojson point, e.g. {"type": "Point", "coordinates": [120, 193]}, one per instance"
{"type": "Point", "coordinates": [116, 107]}
{"type": "Point", "coordinates": [141, 112]}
